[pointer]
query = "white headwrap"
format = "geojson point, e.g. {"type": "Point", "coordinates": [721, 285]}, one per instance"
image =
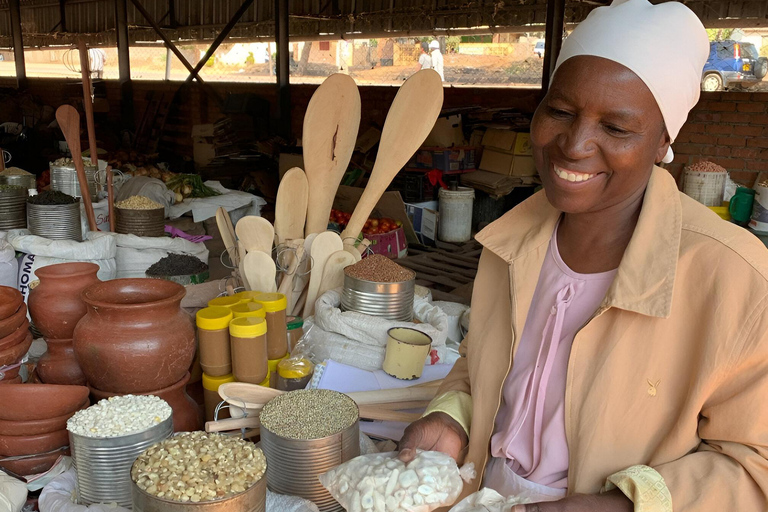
{"type": "Point", "coordinates": [665, 45]}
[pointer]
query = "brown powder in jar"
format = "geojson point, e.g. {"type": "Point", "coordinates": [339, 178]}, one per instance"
{"type": "Point", "coordinates": [379, 269]}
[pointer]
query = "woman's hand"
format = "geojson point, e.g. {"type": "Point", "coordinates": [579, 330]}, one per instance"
{"type": "Point", "coordinates": [613, 501]}
{"type": "Point", "coordinates": [434, 432]}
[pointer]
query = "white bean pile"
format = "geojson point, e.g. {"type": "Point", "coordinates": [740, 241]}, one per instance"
{"type": "Point", "coordinates": [119, 416]}
{"type": "Point", "coordinates": [382, 483]}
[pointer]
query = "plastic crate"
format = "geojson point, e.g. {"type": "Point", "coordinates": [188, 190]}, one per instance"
{"type": "Point", "coordinates": [414, 187]}
{"type": "Point", "coordinates": [455, 159]}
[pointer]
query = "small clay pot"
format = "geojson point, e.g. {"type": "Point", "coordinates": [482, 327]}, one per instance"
{"type": "Point", "coordinates": [13, 446]}
{"type": "Point", "coordinates": [34, 464]}
{"type": "Point", "coordinates": [15, 337]}
{"type": "Point", "coordinates": [135, 337]}
{"type": "Point", "coordinates": [55, 305]}
{"type": "Point", "coordinates": [14, 380]}
{"type": "Point", "coordinates": [13, 322]}
{"type": "Point", "coordinates": [13, 354]}
{"type": "Point", "coordinates": [34, 427]}
{"type": "Point", "coordinates": [187, 414]}
{"type": "Point", "coordinates": [9, 375]}
{"type": "Point", "coordinates": [59, 365]}
{"type": "Point", "coordinates": [50, 400]}
{"type": "Point", "coordinates": [10, 300]}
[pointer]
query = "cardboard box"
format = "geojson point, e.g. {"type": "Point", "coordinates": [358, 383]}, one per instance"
{"type": "Point", "coordinates": [392, 245]}
{"type": "Point", "coordinates": [202, 130]}
{"type": "Point", "coordinates": [424, 218]}
{"type": "Point", "coordinates": [390, 205]}
{"type": "Point", "coordinates": [203, 152]}
{"type": "Point", "coordinates": [523, 145]}
{"type": "Point", "coordinates": [524, 166]}
{"type": "Point", "coordinates": [447, 132]}
{"type": "Point", "coordinates": [500, 140]}
{"type": "Point", "coordinates": [508, 153]}
{"type": "Point", "coordinates": [497, 161]}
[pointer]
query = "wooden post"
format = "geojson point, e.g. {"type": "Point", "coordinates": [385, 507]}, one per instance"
{"type": "Point", "coordinates": [85, 71]}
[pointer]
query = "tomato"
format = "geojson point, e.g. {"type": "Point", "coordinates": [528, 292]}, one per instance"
{"type": "Point", "coordinates": [374, 222]}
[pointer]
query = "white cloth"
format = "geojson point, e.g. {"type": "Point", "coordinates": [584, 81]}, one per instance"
{"type": "Point", "coordinates": [437, 63]}
{"type": "Point", "coordinates": [425, 61]}
{"type": "Point", "coordinates": [500, 477]}
{"type": "Point", "coordinates": [640, 36]}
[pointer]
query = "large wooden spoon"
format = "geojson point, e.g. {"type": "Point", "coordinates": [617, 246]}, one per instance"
{"type": "Point", "coordinates": [224, 223]}
{"type": "Point", "coordinates": [259, 272]}
{"type": "Point", "coordinates": [291, 206]}
{"type": "Point", "coordinates": [69, 122]}
{"type": "Point", "coordinates": [256, 234]}
{"type": "Point", "coordinates": [328, 138]}
{"type": "Point", "coordinates": [286, 285]}
{"type": "Point", "coordinates": [324, 245]}
{"type": "Point", "coordinates": [333, 273]}
{"type": "Point", "coordinates": [410, 119]}
{"type": "Point", "coordinates": [300, 283]}
{"type": "Point", "coordinates": [85, 71]}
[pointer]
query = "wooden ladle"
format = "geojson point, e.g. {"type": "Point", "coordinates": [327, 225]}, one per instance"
{"type": "Point", "coordinates": [291, 206]}
{"type": "Point", "coordinates": [256, 234]}
{"type": "Point", "coordinates": [69, 122]}
{"type": "Point", "coordinates": [410, 119]}
{"type": "Point", "coordinates": [330, 130]}
{"type": "Point", "coordinates": [259, 272]}
{"type": "Point", "coordinates": [324, 245]}
{"type": "Point", "coordinates": [333, 273]}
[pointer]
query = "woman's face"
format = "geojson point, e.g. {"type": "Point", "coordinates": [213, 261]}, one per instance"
{"type": "Point", "coordinates": [596, 136]}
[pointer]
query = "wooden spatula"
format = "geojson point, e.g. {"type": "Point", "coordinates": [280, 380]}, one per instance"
{"type": "Point", "coordinates": [328, 138]}
{"type": "Point", "coordinates": [224, 223]}
{"type": "Point", "coordinates": [324, 245]}
{"type": "Point", "coordinates": [69, 122]}
{"type": "Point", "coordinates": [256, 234]}
{"type": "Point", "coordinates": [333, 273]}
{"type": "Point", "coordinates": [259, 272]}
{"type": "Point", "coordinates": [291, 206]}
{"type": "Point", "coordinates": [410, 119]}
{"type": "Point", "coordinates": [303, 278]}
{"type": "Point", "coordinates": [287, 284]}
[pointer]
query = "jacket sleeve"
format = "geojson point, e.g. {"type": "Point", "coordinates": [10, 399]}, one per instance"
{"type": "Point", "coordinates": [729, 470]}
{"type": "Point", "coordinates": [454, 396]}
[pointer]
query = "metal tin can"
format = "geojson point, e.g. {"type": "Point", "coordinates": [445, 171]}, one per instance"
{"type": "Point", "coordinates": [254, 499]}
{"type": "Point", "coordinates": [13, 209]}
{"type": "Point", "coordinates": [55, 221]}
{"type": "Point", "coordinates": [393, 301]}
{"type": "Point", "coordinates": [140, 222]}
{"type": "Point", "coordinates": [28, 181]}
{"type": "Point", "coordinates": [104, 464]}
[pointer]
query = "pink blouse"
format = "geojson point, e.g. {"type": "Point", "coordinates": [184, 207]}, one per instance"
{"type": "Point", "coordinates": [530, 426]}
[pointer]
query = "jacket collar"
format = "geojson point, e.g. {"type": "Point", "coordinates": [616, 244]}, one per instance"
{"type": "Point", "coordinates": [645, 279]}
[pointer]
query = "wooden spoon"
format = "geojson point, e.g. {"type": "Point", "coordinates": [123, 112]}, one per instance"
{"type": "Point", "coordinates": [224, 223]}
{"type": "Point", "coordinates": [333, 272]}
{"type": "Point", "coordinates": [286, 286]}
{"type": "Point", "coordinates": [88, 102]}
{"type": "Point", "coordinates": [302, 280]}
{"type": "Point", "coordinates": [259, 272]}
{"type": "Point", "coordinates": [324, 245]}
{"type": "Point", "coordinates": [291, 206]}
{"type": "Point", "coordinates": [69, 122]}
{"type": "Point", "coordinates": [328, 138]}
{"type": "Point", "coordinates": [256, 233]}
{"type": "Point", "coordinates": [410, 119]}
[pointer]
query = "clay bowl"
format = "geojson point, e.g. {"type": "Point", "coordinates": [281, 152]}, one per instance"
{"type": "Point", "coordinates": [13, 446]}
{"type": "Point", "coordinates": [15, 380]}
{"type": "Point", "coordinates": [12, 355]}
{"type": "Point", "coordinates": [13, 322]}
{"type": "Point", "coordinates": [9, 375]}
{"type": "Point", "coordinates": [33, 465]}
{"type": "Point", "coordinates": [10, 300]}
{"type": "Point", "coordinates": [50, 400]}
{"type": "Point", "coordinates": [16, 336]}
{"type": "Point", "coordinates": [35, 427]}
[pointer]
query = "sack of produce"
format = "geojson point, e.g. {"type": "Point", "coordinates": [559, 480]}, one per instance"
{"type": "Point", "coordinates": [488, 500]}
{"type": "Point", "coordinates": [135, 254]}
{"type": "Point", "coordinates": [9, 267]}
{"type": "Point", "coordinates": [150, 188]}
{"type": "Point", "coordinates": [383, 483]}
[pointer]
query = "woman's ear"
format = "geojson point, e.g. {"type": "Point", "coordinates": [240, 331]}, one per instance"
{"type": "Point", "coordinates": [664, 143]}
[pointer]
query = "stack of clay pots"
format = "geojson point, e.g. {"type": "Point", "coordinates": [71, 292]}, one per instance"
{"type": "Point", "coordinates": [55, 307]}
{"type": "Point", "coordinates": [136, 339]}
{"type": "Point", "coordinates": [33, 425]}
{"type": "Point", "coordinates": [15, 338]}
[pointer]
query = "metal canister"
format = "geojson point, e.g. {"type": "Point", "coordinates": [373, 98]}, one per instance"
{"type": "Point", "coordinates": [393, 301]}
{"type": "Point", "coordinates": [104, 464]}
{"type": "Point", "coordinates": [13, 209]}
{"type": "Point", "coordinates": [252, 500]}
{"type": "Point", "coordinates": [55, 221]}
{"type": "Point", "coordinates": [64, 179]}
{"type": "Point", "coordinates": [140, 222]}
{"type": "Point", "coordinates": [293, 465]}
{"type": "Point", "coordinates": [28, 181]}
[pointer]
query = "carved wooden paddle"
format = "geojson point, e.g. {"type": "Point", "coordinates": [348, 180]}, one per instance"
{"type": "Point", "coordinates": [69, 122]}
{"type": "Point", "coordinates": [291, 206]}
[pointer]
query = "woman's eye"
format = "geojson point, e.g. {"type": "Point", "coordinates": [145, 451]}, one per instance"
{"type": "Point", "coordinates": [559, 114]}
{"type": "Point", "coordinates": [615, 130]}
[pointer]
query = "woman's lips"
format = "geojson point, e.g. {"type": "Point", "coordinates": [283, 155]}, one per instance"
{"type": "Point", "coordinates": [572, 176]}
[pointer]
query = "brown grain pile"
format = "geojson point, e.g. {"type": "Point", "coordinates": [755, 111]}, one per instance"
{"type": "Point", "coordinates": [379, 269]}
{"type": "Point", "coordinates": [705, 167]}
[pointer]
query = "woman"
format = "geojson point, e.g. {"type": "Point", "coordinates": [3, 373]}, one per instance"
{"type": "Point", "coordinates": [617, 356]}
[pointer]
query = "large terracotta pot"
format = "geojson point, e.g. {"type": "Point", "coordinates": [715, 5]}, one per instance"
{"type": "Point", "coordinates": [15, 337]}
{"type": "Point", "coordinates": [29, 402]}
{"type": "Point", "coordinates": [13, 322]}
{"type": "Point", "coordinates": [10, 300]}
{"type": "Point", "coordinates": [55, 305]}
{"type": "Point", "coordinates": [33, 465]}
{"type": "Point", "coordinates": [187, 415]}
{"type": "Point", "coordinates": [135, 337]}
{"type": "Point", "coordinates": [14, 446]}
{"type": "Point", "coordinates": [13, 354]}
{"type": "Point", "coordinates": [59, 365]}
{"type": "Point", "coordinates": [35, 427]}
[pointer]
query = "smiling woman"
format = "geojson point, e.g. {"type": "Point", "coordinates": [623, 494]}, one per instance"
{"type": "Point", "coordinates": [618, 341]}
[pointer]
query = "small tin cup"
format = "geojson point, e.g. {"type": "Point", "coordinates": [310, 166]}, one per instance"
{"type": "Point", "coordinates": [407, 350]}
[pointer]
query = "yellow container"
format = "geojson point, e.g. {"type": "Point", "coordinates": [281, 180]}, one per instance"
{"type": "Point", "coordinates": [247, 295]}
{"type": "Point", "coordinates": [407, 351]}
{"type": "Point", "coordinates": [211, 394]}
{"type": "Point", "coordinates": [227, 301]}
{"type": "Point", "coordinates": [722, 211]}
{"type": "Point", "coordinates": [272, 364]}
{"type": "Point", "coordinates": [277, 334]}
{"type": "Point", "coordinates": [249, 309]}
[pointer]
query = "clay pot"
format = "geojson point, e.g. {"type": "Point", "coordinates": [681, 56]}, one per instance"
{"type": "Point", "coordinates": [34, 427]}
{"type": "Point", "coordinates": [14, 380]}
{"type": "Point", "coordinates": [10, 300]}
{"type": "Point", "coordinates": [15, 337]}
{"type": "Point", "coordinates": [35, 464]}
{"type": "Point", "coordinates": [55, 305]}
{"type": "Point", "coordinates": [50, 400]}
{"type": "Point", "coordinates": [135, 337]}
{"type": "Point", "coordinates": [13, 354]}
{"type": "Point", "coordinates": [13, 446]}
{"type": "Point", "coordinates": [59, 365]}
{"type": "Point", "coordinates": [187, 414]}
{"type": "Point", "coordinates": [13, 322]}
{"type": "Point", "coordinates": [9, 375]}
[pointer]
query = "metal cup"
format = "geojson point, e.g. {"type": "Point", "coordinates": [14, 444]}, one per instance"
{"type": "Point", "coordinates": [407, 350]}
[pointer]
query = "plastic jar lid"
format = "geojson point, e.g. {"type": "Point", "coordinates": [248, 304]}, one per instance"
{"type": "Point", "coordinates": [294, 368]}
{"type": "Point", "coordinates": [294, 322]}
{"type": "Point", "coordinates": [247, 327]}
{"type": "Point", "coordinates": [226, 301]}
{"type": "Point", "coordinates": [213, 383]}
{"type": "Point", "coordinates": [247, 295]}
{"type": "Point", "coordinates": [272, 302]}
{"type": "Point", "coordinates": [272, 363]}
{"type": "Point", "coordinates": [248, 309]}
{"type": "Point", "coordinates": [213, 318]}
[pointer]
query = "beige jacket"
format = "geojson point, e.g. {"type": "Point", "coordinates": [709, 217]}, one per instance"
{"type": "Point", "coordinates": [671, 372]}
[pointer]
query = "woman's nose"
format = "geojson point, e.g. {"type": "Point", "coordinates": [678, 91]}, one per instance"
{"type": "Point", "coordinates": [578, 141]}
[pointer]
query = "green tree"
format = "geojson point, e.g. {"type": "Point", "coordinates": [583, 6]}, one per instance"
{"type": "Point", "coordinates": [719, 34]}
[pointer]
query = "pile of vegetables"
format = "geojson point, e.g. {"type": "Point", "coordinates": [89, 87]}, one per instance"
{"type": "Point", "coordinates": [372, 226]}
{"type": "Point", "coordinates": [187, 185]}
